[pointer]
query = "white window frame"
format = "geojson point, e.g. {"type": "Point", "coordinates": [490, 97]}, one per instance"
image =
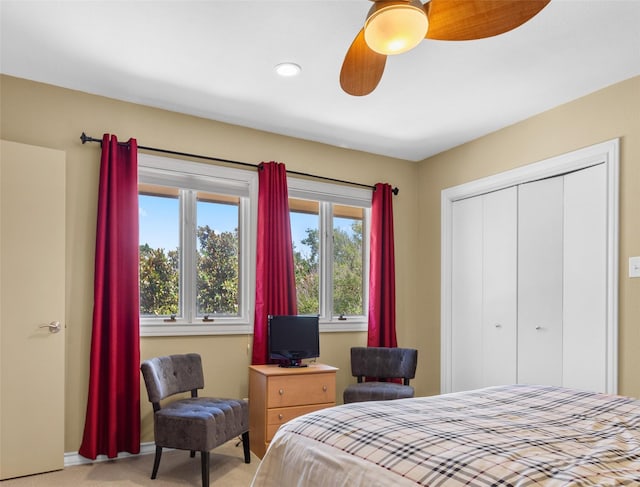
{"type": "Point", "coordinates": [164, 171]}
{"type": "Point", "coordinates": [328, 194]}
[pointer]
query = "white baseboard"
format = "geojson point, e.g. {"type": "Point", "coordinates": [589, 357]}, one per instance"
{"type": "Point", "coordinates": [74, 458]}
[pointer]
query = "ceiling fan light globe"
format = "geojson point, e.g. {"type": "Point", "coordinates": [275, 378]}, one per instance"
{"type": "Point", "coordinates": [395, 27]}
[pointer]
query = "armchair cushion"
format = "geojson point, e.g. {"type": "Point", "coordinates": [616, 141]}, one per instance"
{"type": "Point", "coordinates": [383, 362]}
{"type": "Point", "coordinates": [200, 423]}
{"type": "Point", "coordinates": [172, 374]}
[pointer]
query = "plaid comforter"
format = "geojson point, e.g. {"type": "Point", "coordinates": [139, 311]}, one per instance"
{"type": "Point", "coordinates": [499, 436]}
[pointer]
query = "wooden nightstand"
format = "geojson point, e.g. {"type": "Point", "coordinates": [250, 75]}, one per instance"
{"type": "Point", "coordinates": [278, 394]}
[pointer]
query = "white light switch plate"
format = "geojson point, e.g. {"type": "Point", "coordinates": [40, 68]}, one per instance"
{"type": "Point", "coordinates": [634, 266]}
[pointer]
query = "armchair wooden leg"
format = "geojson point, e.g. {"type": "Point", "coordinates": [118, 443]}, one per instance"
{"type": "Point", "coordinates": [204, 460]}
{"type": "Point", "coordinates": [156, 462]}
{"type": "Point", "coordinates": [245, 446]}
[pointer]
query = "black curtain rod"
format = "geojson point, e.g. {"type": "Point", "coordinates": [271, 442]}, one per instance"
{"type": "Point", "coordinates": [86, 138]}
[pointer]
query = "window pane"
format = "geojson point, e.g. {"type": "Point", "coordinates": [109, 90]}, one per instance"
{"type": "Point", "coordinates": [304, 216]}
{"type": "Point", "coordinates": [217, 255]}
{"type": "Point", "coordinates": [159, 209]}
{"type": "Point", "coordinates": [348, 259]}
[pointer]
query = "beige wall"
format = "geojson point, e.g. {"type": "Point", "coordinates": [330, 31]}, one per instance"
{"type": "Point", "coordinates": [610, 113]}
{"type": "Point", "coordinates": [43, 115]}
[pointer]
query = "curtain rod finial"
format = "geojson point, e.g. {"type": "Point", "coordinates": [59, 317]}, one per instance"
{"type": "Point", "coordinates": [84, 138]}
{"type": "Point", "coordinates": [395, 191]}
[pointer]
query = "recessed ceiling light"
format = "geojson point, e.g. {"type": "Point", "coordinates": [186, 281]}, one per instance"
{"type": "Point", "coordinates": [288, 69]}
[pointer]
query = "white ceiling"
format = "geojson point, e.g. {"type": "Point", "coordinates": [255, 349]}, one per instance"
{"type": "Point", "coordinates": [215, 59]}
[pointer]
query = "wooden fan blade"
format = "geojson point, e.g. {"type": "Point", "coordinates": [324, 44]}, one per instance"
{"type": "Point", "coordinates": [362, 68]}
{"type": "Point", "coordinates": [464, 20]}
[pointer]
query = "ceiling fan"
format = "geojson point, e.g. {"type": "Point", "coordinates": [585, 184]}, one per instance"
{"type": "Point", "coordinates": [396, 26]}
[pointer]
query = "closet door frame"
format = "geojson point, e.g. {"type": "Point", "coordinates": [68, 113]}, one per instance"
{"type": "Point", "coordinates": [606, 153]}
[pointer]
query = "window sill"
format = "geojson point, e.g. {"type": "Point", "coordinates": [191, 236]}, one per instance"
{"type": "Point", "coordinates": [185, 329]}
{"type": "Point", "coordinates": [151, 329]}
{"type": "Point", "coordinates": [347, 325]}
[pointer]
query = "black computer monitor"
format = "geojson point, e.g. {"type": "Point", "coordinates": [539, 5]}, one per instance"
{"type": "Point", "coordinates": [293, 338]}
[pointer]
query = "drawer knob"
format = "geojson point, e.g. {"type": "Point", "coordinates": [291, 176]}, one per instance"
{"type": "Point", "coordinates": [281, 392]}
{"type": "Point", "coordinates": [324, 388]}
{"type": "Point", "coordinates": [280, 416]}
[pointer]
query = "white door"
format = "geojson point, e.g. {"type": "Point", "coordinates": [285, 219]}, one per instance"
{"type": "Point", "coordinates": [500, 287]}
{"type": "Point", "coordinates": [32, 296]}
{"type": "Point", "coordinates": [585, 279]}
{"type": "Point", "coordinates": [540, 251]}
{"type": "Point", "coordinates": [484, 273]}
{"type": "Point", "coordinates": [466, 295]}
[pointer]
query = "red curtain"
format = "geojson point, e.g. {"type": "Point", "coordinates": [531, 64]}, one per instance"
{"type": "Point", "coordinates": [382, 275]}
{"type": "Point", "coordinates": [275, 279]}
{"type": "Point", "coordinates": [112, 422]}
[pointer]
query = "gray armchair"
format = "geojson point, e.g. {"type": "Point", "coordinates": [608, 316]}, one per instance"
{"type": "Point", "coordinates": [194, 423]}
{"type": "Point", "coordinates": [381, 363]}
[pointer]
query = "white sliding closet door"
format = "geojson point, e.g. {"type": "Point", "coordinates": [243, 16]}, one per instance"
{"type": "Point", "coordinates": [484, 290]}
{"type": "Point", "coordinates": [500, 260]}
{"type": "Point", "coordinates": [585, 279]}
{"type": "Point", "coordinates": [540, 285]}
{"type": "Point", "coordinates": [467, 294]}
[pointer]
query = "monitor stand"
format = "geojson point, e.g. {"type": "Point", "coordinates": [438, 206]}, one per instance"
{"type": "Point", "coordinates": [293, 363]}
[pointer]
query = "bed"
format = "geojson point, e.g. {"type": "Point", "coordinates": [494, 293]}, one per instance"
{"type": "Point", "coordinates": [501, 436]}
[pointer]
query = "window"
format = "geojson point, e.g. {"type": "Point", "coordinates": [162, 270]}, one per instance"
{"type": "Point", "coordinates": [348, 261]}
{"type": "Point", "coordinates": [217, 256]}
{"type": "Point", "coordinates": [305, 231]}
{"type": "Point", "coordinates": [329, 228]}
{"type": "Point", "coordinates": [159, 217]}
{"type": "Point", "coordinates": [196, 247]}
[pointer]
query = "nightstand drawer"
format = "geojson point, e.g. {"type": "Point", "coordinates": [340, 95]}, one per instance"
{"type": "Point", "coordinates": [300, 390]}
{"type": "Point", "coordinates": [277, 417]}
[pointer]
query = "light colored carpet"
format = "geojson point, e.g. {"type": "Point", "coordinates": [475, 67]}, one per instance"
{"type": "Point", "coordinates": [176, 468]}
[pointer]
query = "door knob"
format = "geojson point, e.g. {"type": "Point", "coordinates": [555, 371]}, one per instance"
{"type": "Point", "coordinates": [54, 327]}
